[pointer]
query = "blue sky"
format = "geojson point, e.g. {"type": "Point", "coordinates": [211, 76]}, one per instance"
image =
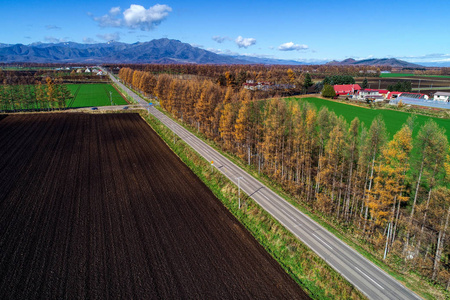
{"type": "Point", "coordinates": [417, 31]}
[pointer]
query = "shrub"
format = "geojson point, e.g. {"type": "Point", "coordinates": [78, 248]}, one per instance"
{"type": "Point", "coordinates": [328, 91]}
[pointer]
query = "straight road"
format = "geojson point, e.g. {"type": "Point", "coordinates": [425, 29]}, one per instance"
{"type": "Point", "coordinates": [364, 275]}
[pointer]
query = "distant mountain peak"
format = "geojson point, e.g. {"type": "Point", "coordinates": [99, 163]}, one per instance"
{"type": "Point", "coordinates": [392, 62]}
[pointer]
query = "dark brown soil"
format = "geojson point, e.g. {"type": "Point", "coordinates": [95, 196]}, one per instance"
{"type": "Point", "coordinates": [97, 207]}
{"type": "Point", "coordinates": [427, 85]}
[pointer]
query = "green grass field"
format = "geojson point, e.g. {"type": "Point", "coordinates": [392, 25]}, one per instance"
{"type": "Point", "coordinates": [393, 119]}
{"type": "Point", "coordinates": [87, 95]}
{"type": "Point", "coordinates": [394, 75]}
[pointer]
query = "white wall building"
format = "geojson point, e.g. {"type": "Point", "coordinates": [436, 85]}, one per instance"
{"type": "Point", "coordinates": [442, 96]}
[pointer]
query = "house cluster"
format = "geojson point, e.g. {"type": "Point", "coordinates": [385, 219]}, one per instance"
{"type": "Point", "coordinates": [354, 91]}
{"type": "Point", "coordinates": [265, 86]}
{"type": "Point", "coordinates": [253, 86]}
{"type": "Point", "coordinates": [87, 70]}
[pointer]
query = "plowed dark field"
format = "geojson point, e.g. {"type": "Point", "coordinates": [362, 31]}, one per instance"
{"type": "Point", "coordinates": [97, 207]}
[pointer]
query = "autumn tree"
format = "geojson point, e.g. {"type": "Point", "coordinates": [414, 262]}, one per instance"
{"type": "Point", "coordinates": [242, 132]}
{"type": "Point", "coordinates": [376, 138]}
{"type": "Point", "coordinates": [432, 145]}
{"type": "Point", "coordinates": [389, 184]}
{"type": "Point", "coordinates": [227, 121]}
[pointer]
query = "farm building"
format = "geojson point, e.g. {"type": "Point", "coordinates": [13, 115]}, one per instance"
{"type": "Point", "coordinates": [441, 96]}
{"type": "Point", "coordinates": [372, 94]}
{"type": "Point", "coordinates": [412, 96]}
{"type": "Point", "coordinates": [346, 89]}
{"type": "Point", "coordinates": [393, 95]}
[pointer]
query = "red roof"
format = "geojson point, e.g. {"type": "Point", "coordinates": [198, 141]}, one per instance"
{"type": "Point", "coordinates": [390, 94]}
{"type": "Point", "coordinates": [344, 89]}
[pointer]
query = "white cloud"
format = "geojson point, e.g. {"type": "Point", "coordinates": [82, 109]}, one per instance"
{"type": "Point", "coordinates": [109, 36]}
{"type": "Point", "coordinates": [221, 39]}
{"type": "Point", "coordinates": [114, 11]}
{"type": "Point", "coordinates": [292, 47]}
{"type": "Point", "coordinates": [220, 51]}
{"type": "Point", "coordinates": [134, 17]}
{"type": "Point", "coordinates": [197, 45]}
{"type": "Point", "coordinates": [432, 57]}
{"type": "Point", "coordinates": [52, 27]}
{"type": "Point", "coordinates": [87, 40]}
{"type": "Point", "coordinates": [146, 19]}
{"type": "Point", "coordinates": [51, 39]}
{"type": "Point", "coordinates": [109, 20]}
{"type": "Point", "coordinates": [245, 42]}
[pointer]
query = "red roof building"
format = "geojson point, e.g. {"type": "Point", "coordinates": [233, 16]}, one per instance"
{"type": "Point", "coordinates": [393, 95]}
{"type": "Point", "coordinates": [346, 89]}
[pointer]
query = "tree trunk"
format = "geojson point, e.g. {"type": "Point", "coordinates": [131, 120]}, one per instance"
{"type": "Point", "coordinates": [370, 188]}
{"type": "Point", "coordinates": [439, 247]}
{"type": "Point", "coordinates": [414, 206]}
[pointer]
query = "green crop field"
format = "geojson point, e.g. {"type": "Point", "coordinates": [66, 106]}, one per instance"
{"type": "Point", "coordinates": [94, 95]}
{"type": "Point", "coordinates": [393, 119]}
{"type": "Point", "coordinates": [394, 75]}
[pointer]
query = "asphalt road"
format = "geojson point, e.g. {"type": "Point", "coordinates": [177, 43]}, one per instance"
{"type": "Point", "coordinates": [364, 275]}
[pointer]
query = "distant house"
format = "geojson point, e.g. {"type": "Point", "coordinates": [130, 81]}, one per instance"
{"type": "Point", "coordinates": [442, 96]}
{"type": "Point", "coordinates": [99, 73]}
{"type": "Point", "coordinates": [87, 70]}
{"type": "Point", "coordinates": [79, 70]}
{"type": "Point", "coordinates": [263, 86]}
{"type": "Point", "coordinates": [346, 89]}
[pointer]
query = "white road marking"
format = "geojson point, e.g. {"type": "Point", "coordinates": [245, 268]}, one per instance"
{"type": "Point", "coordinates": [369, 278]}
{"type": "Point", "coordinates": [328, 246]}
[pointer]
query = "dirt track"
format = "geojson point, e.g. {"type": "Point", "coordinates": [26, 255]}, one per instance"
{"type": "Point", "coordinates": [96, 206]}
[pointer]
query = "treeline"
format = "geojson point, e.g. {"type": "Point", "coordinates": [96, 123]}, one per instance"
{"type": "Point", "coordinates": [46, 96]}
{"type": "Point", "coordinates": [400, 86]}
{"type": "Point", "coordinates": [22, 77]}
{"type": "Point", "coordinates": [394, 194]}
{"type": "Point", "coordinates": [240, 73]}
{"type": "Point", "coordinates": [338, 79]}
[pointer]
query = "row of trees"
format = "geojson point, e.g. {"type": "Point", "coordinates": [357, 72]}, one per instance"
{"type": "Point", "coordinates": [238, 74]}
{"type": "Point", "coordinates": [338, 79]}
{"type": "Point", "coordinates": [392, 193]}
{"type": "Point", "coordinates": [400, 86]}
{"type": "Point", "coordinates": [34, 97]}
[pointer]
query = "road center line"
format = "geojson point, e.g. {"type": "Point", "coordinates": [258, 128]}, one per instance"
{"type": "Point", "coordinates": [328, 246]}
{"type": "Point", "coordinates": [369, 278]}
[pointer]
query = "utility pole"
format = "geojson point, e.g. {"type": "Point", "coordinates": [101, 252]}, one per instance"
{"type": "Point", "coordinates": [239, 189]}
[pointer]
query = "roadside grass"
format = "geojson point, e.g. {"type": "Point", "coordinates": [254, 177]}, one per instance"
{"type": "Point", "coordinates": [394, 266]}
{"type": "Point", "coordinates": [312, 273]}
{"type": "Point", "coordinates": [87, 95]}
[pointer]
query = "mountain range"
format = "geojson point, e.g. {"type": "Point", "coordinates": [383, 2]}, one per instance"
{"type": "Point", "coordinates": [155, 51]}
{"type": "Point", "coordinates": [392, 62]}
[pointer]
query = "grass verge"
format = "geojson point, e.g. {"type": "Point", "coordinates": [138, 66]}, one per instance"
{"type": "Point", "coordinates": [311, 272]}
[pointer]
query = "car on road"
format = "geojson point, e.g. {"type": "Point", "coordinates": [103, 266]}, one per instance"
{"type": "Point", "coordinates": [94, 108]}
{"type": "Point", "coordinates": [125, 107]}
